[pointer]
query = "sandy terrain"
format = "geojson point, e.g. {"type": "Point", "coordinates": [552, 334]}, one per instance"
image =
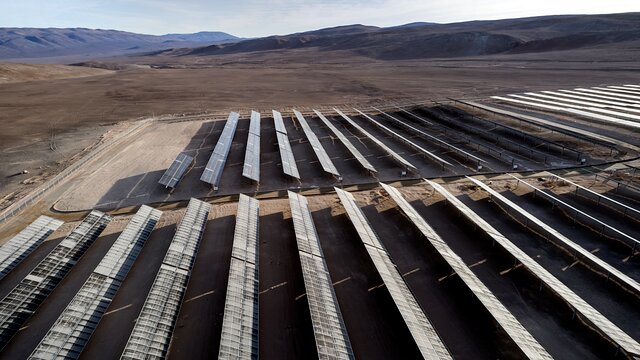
{"type": "Point", "coordinates": [75, 112]}
{"type": "Point", "coordinates": [13, 73]}
{"type": "Point", "coordinates": [129, 175]}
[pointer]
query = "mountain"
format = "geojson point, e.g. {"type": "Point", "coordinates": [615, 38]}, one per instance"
{"type": "Point", "coordinates": [22, 43]}
{"type": "Point", "coordinates": [472, 38]}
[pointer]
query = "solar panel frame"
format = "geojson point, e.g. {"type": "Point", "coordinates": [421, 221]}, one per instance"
{"type": "Point", "coordinates": [418, 131]}
{"type": "Point", "coordinates": [70, 333]}
{"type": "Point", "coordinates": [251, 167]}
{"type": "Point", "coordinates": [505, 319]}
{"type": "Point", "coordinates": [602, 324]}
{"type": "Point", "coordinates": [18, 305]}
{"type": "Point", "coordinates": [587, 114]}
{"type": "Point", "coordinates": [587, 103]}
{"type": "Point", "coordinates": [289, 165]}
{"type": "Point", "coordinates": [570, 104]}
{"type": "Point", "coordinates": [588, 98]}
{"type": "Point", "coordinates": [345, 141]}
{"type": "Point", "coordinates": [176, 170]}
{"type": "Point", "coordinates": [25, 242]}
{"type": "Point", "coordinates": [600, 95]}
{"type": "Point", "coordinates": [389, 131]}
{"type": "Point", "coordinates": [602, 196]}
{"type": "Point", "coordinates": [613, 272]}
{"type": "Point", "coordinates": [423, 332]}
{"type": "Point", "coordinates": [213, 171]}
{"type": "Point", "coordinates": [151, 335]}
{"type": "Point", "coordinates": [387, 149]}
{"type": "Point", "coordinates": [279, 123]}
{"type": "Point", "coordinates": [330, 333]}
{"type": "Point", "coordinates": [240, 324]}
{"type": "Point", "coordinates": [318, 149]}
{"type": "Point", "coordinates": [555, 126]}
{"type": "Point", "coordinates": [609, 92]}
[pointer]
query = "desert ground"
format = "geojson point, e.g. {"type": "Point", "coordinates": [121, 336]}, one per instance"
{"type": "Point", "coordinates": [181, 105]}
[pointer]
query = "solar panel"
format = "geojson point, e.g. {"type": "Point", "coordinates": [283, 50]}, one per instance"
{"type": "Point", "coordinates": [618, 89]}
{"type": "Point", "coordinates": [213, 172]}
{"type": "Point", "coordinates": [393, 154]}
{"type": "Point", "coordinates": [601, 323]}
{"type": "Point", "coordinates": [240, 331]}
{"type": "Point", "coordinates": [27, 240]}
{"type": "Point", "coordinates": [631, 89]}
{"type": "Point", "coordinates": [418, 131]}
{"type": "Point", "coordinates": [600, 196]}
{"type": "Point", "coordinates": [318, 149]}
{"type": "Point", "coordinates": [332, 340]}
{"type": "Point", "coordinates": [592, 136]}
{"type": "Point", "coordinates": [27, 296]}
{"type": "Point", "coordinates": [251, 168]}
{"type": "Point", "coordinates": [567, 104]}
{"type": "Point", "coordinates": [610, 270]}
{"type": "Point", "coordinates": [289, 166]}
{"type": "Point", "coordinates": [520, 336]}
{"type": "Point", "coordinates": [420, 327]}
{"type": "Point", "coordinates": [152, 332]}
{"type": "Point", "coordinates": [277, 119]}
{"type": "Point", "coordinates": [587, 103]}
{"type": "Point", "coordinates": [70, 333]}
{"type": "Point", "coordinates": [600, 95]}
{"type": "Point", "coordinates": [176, 171]}
{"type": "Point", "coordinates": [352, 149]}
{"type": "Point", "coordinates": [564, 95]}
{"type": "Point", "coordinates": [426, 152]}
{"type": "Point", "coordinates": [608, 92]}
{"type": "Point", "coordinates": [587, 114]}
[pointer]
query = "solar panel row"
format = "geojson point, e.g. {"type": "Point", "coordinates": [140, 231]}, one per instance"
{"type": "Point", "coordinates": [588, 103]}
{"type": "Point", "coordinates": [626, 208]}
{"type": "Point", "coordinates": [240, 330]}
{"type": "Point", "coordinates": [569, 104]}
{"type": "Point", "coordinates": [420, 132]}
{"type": "Point", "coordinates": [318, 149]}
{"type": "Point", "coordinates": [70, 333]}
{"type": "Point", "coordinates": [630, 239]}
{"type": "Point", "coordinates": [27, 240]}
{"type": "Point", "coordinates": [27, 296]}
{"type": "Point", "coordinates": [153, 329]}
{"type": "Point", "coordinates": [389, 131]}
{"type": "Point", "coordinates": [251, 168]}
{"type": "Point", "coordinates": [514, 329]}
{"type": "Point", "coordinates": [555, 126]}
{"type": "Point", "coordinates": [587, 114]}
{"type": "Point", "coordinates": [423, 332]}
{"type": "Point", "coordinates": [345, 141]}
{"type": "Point", "coordinates": [213, 171]}
{"type": "Point", "coordinates": [176, 171]}
{"type": "Point", "coordinates": [392, 153]}
{"type": "Point", "coordinates": [601, 323]}
{"type": "Point", "coordinates": [289, 166]}
{"type": "Point", "coordinates": [591, 258]}
{"type": "Point", "coordinates": [332, 340]}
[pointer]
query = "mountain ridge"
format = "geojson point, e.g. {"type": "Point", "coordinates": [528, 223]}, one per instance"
{"type": "Point", "coordinates": [16, 43]}
{"type": "Point", "coordinates": [471, 38]}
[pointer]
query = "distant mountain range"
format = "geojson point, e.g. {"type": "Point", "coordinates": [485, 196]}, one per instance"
{"type": "Point", "coordinates": [473, 38]}
{"type": "Point", "coordinates": [410, 41]}
{"type": "Point", "coordinates": [23, 43]}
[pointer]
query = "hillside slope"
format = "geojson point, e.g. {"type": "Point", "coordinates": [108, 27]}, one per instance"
{"type": "Point", "coordinates": [25, 43]}
{"type": "Point", "coordinates": [474, 38]}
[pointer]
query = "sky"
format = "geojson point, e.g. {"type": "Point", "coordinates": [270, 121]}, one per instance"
{"type": "Point", "coordinates": [254, 18]}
